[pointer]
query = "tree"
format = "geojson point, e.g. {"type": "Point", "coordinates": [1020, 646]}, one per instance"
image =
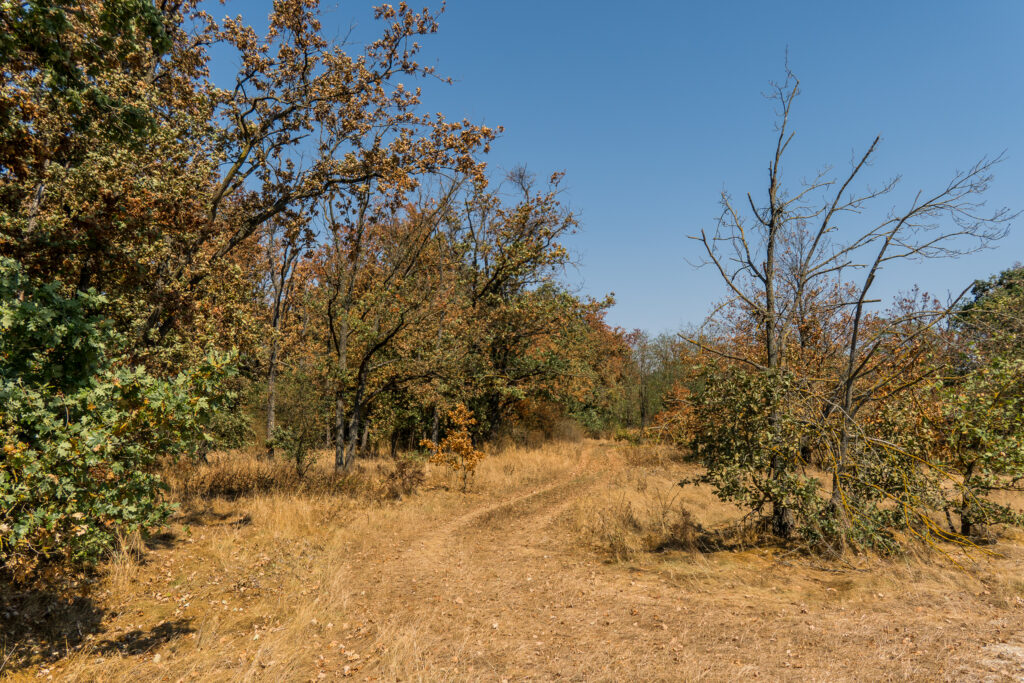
{"type": "Point", "coordinates": [512, 257]}
{"type": "Point", "coordinates": [383, 285]}
{"type": "Point", "coordinates": [125, 170]}
{"type": "Point", "coordinates": [801, 312]}
{"type": "Point", "coordinates": [655, 369]}
{"type": "Point", "coordinates": [991, 320]}
{"type": "Point", "coordinates": [981, 422]}
{"type": "Point", "coordinates": [212, 166]}
{"type": "Point", "coordinates": [981, 428]}
{"type": "Point", "coordinates": [456, 450]}
{"type": "Point", "coordinates": [284, 246]}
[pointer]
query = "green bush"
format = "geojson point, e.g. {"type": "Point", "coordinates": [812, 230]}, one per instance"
{"type": "Point", "coordinates": [296, 445]}
{"type": "Point", "coordinates": [748, 436]}
{"type": "Point", "coordinates": [81, 434]}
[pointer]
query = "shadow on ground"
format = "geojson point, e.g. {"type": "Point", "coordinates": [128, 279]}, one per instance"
{"type": "Point", "coordinates": [139, 642]}
{"type": "Point", "coordinates": [40, 626]}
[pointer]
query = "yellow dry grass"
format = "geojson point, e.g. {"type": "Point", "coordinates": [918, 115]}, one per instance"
{"type": "Point", "coordinates": [543, 570]}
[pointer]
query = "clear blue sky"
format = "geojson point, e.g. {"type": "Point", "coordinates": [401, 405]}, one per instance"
{"type": "Point", "coordinates": [653, 108]}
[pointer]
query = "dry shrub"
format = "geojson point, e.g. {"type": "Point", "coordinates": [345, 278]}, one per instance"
{"type": "Point", "coordinates": [675, 424]}
{"type": "Point", "coordinates": [227, 477]}
{"type": "Point", "coordinates": [238, 474]}
{"type": "Point", "coordinates": [405, 478]}
{"type": "Point", "coordinates": [649, 455]}
{"type": "Point", "coordinates": [518, 436]}
{"type": "Point", "coordinates": [511, 467]}
{"type": "Point", "coordinates": [567, 430]}
{"type": "Point", "coordinates": [629, 435]}
{"type": "Point", "coordinates": [534, 438]}
{"type": "Point", "coordinates": [537, 423]}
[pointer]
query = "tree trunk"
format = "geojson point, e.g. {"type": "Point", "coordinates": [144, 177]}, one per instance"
{"type": "Point", "coordinates": [966, 523]}
{"type": "Point", "coordinates": [836, 499]}
{"type": "Point", "coordinates": [352, 442]}
{"type": "Point", "coordinates": [356, 420]}
{"type": "Point", "coordinates": [782, 521]}
{"type": "Point", "coordinates": [782, 517]}
{"type": "Point", "coordinates": [340, 463]}
{"type": "Point", "coordinates": [643, 404]}
{"type": "Point", "coordinates": [271, 400]}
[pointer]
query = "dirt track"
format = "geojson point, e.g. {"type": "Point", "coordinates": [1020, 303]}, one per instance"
{"type": "Point", "coordinates": [502, 592]}
{"type": "Point", "coordinates": [497, 585]}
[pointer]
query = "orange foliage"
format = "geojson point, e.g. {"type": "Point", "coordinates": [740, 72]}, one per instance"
{"type": "Point", "coordinates": [456, 449]}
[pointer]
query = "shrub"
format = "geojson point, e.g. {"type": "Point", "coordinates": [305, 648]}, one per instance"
{"type": "Point", "coordinates": [624, 529]}
{"type": "Point", "coordinates": [81, 434]}
{"type": "Point", "coordinates": [982, 427]}
{"type": "Point", "coordinates": [296, 444]}
{"type": "Point", "coordinates": [456, 449]}
{"type": "Point", "coordinates": [406, 477]}
{"type": "Point", "coordinates": [748, 436]}
{"type": "Point", "coordinates": [632, 436]}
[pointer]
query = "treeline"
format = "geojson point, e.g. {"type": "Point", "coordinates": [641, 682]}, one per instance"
{"type": "Point", "coordinates": [294, 257]}
{"type": "Point", "coordinates": [299, 258]}
{"type": "Point", "coordinates": [381, 325]}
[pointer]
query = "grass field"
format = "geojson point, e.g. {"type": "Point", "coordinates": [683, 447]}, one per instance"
{"type": "Point", "coordinates": [567, 562]}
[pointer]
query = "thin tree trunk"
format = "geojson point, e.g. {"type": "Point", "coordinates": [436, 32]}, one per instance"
{"type": "Point", "coordinates": [782, 516]}
{"type": "Point", "coordinates": [340, 462]}
{"type": "Point", "coordinates": [352, 442]}
{"type": "Point", "coordinates": [271, 399]}
{"type": "Point", "coordinates": [966, 523]}
{"type": "Point", "coordinates": [355, 422]}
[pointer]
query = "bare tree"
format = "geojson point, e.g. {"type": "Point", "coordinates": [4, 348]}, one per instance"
{"type": "Point", "coordinates": [813, 252]}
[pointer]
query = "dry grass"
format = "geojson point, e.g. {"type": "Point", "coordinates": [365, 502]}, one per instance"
{"type": "Point", "coordinates": [327, 577]}
{"type": "Point", "coordinates": [635, 513]}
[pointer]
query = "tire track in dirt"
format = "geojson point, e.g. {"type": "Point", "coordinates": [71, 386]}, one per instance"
{"type": "Point", "coordinates": [476, 568]}
{"type": "Point", "coordinates": [502, 592]}
{"type": "Point", "coordinates": [497, 515]}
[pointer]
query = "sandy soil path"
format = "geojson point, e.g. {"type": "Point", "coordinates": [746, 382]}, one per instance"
{"type": "Point", "coordinates": [503, 593]}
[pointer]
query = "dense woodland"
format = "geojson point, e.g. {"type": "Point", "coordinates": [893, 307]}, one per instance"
{"type": "Point", "coordinates": [302, 259]}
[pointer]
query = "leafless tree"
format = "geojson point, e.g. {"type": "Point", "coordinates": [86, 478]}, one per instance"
{"type": "Point", "coordinates": [778, 254]}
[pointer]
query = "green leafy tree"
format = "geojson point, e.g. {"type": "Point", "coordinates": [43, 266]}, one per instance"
{"type": "Point", "coordinates": [748, 438]}
{"type": "Point", "coordinates": [982, 417]}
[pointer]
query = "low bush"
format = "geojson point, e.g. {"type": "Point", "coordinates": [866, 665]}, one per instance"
{"type": "Point", "coordinates": [624, 528]}
{"type": "Point", "coordinates": [82, 433]}
{"type": "Point", "coordinates": [404, 479]}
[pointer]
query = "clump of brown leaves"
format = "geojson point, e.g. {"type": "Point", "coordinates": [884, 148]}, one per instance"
{"type": "Point", "coordinates": [456, 449]}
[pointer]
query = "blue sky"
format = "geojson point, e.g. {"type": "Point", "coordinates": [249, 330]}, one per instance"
{"type": "Point", "coordinates": [653, 108]}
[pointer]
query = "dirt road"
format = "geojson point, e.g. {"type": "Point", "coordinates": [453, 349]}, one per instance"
{"type": "Point", "coordinates": [504, 592]}
{"type": "Point", "coordinates": [499, 585]}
